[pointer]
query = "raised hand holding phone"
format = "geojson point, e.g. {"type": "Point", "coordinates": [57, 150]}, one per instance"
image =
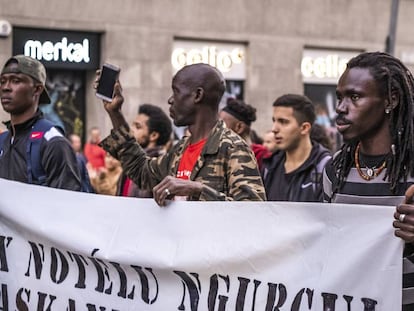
{"type": "Point", "coordinates": [108, 77]}
{"type": "Point", "coordinates": [109, 90]}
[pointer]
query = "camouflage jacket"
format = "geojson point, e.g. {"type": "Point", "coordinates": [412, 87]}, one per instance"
{"type": "Point", "coordinates": [226, 167]}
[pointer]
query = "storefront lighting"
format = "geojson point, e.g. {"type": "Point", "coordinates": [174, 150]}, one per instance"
{"type": "Point", "coordinates": [331, 66]}
{"type": "Point", "coordinates": [221, 59]}
{"type": "Point", "coordinates": [59, 51]}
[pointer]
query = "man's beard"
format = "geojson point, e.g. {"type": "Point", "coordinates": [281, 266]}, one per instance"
{"type": "Point", "coordinates": [144, 142]}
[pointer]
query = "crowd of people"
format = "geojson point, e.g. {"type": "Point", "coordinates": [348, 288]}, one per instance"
{"type": "Point", "coordinates": [153, 131]}
{"type": "Point", "coordinates": [221, 157]}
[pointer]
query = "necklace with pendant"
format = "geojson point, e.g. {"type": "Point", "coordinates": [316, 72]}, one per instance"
{"type": "Point", "coordinates": [371, 172]}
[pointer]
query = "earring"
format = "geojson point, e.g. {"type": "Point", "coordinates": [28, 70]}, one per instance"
{"type": "Point", "coordinates": [393, 150]}
{"type": "Point", "coordinates": [387, 110]}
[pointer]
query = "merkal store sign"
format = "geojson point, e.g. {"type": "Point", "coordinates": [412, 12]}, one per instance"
{"type": "Point", "coordinates": [58, 49]}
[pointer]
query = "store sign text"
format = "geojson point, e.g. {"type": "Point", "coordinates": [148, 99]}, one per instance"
{"type": "Point", "coordinates": [330, 66]}
{"type": "Point", "coordinates": [63, 51]}
{"type": "Point", "coordinates": [222, 60]}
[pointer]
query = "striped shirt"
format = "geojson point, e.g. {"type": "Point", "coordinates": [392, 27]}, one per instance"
{"type": "Point", "coordinates": [356, 190]}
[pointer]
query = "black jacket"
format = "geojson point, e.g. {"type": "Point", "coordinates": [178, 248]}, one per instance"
{"type": "Point", "coordinates": [57, 157]}
{"type": "Point", "coordinates": [303, 184]}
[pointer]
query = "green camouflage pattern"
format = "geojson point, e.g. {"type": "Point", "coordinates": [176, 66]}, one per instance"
{"type": "Point", "coordinates": [226, 167]}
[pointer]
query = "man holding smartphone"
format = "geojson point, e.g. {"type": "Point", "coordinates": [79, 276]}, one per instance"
{"type": "Point", "coordinates": [213, 163]}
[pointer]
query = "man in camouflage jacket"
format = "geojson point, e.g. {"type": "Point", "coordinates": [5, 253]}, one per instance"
{"type": "Point", "coordinates": [225, 169]}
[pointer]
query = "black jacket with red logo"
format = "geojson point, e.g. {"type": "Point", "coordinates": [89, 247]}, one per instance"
{"type": "Point", "coordinates": [57, 157]}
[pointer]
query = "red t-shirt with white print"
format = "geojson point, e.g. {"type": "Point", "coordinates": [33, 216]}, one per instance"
{"type": "Point", "coordinates": [189, 159]}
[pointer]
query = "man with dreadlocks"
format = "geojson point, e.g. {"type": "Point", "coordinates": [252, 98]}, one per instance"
{"type": "Point", "coordinates": [375, 165]}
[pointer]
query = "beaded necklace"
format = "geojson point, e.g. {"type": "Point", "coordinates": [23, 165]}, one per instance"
{"type": "Point", "coordinates": [372, 172]}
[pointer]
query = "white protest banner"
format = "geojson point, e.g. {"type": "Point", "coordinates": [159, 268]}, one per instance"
{"type": "Point", "coordinates": [63, 250]}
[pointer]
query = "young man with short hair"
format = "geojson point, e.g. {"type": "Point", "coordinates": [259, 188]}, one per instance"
{"type": "Point", "coordinates": [22, 89]}
{"type": "Point", "coordinates": [152, 129]}
{"type": "Point", "coordinates": [294, 171]}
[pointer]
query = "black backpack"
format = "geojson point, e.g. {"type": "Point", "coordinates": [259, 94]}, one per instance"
{"type": "Point", "coordinates": [35, 172]}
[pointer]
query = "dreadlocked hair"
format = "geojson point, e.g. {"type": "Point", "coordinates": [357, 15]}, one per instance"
{"type": "Point", "coordinates": [394, 81]}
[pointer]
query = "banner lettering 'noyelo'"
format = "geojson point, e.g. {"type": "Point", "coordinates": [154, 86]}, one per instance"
{"type": "Point", "coordinates": [62, 250]}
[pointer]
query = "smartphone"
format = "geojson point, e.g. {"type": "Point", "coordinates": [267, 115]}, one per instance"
{"type": "Point", "coordinates": [109, 75]}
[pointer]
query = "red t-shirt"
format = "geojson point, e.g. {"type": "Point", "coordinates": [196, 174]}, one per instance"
{"type": "Point", "coordinates": [126, 187]}
{"type": "Point", "coordinates": [261, 153]}
{"type": "Point", "coordinates": [189, 158]}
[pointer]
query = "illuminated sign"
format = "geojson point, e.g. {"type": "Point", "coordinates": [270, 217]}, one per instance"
{"type": "Point", "coordinates": [223, 60]}
{"type": "Point", "coordinates": [63, 51]}
{"type": "Point", "coordinates": [58, 48]}
{"type": "Point", "coordinates": [324, 66]}
{"type": "Point", "coordinates": [228, 58]}
{"type": "Point", "coordinates": [330, 66]}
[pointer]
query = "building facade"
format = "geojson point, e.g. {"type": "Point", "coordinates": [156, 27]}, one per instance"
{"type": "Point", "coordinates": [264, 48]}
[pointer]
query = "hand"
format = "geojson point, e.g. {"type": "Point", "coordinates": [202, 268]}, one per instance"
{"type": "Point", "coordinates": [102, 171]}
{"type": "Point", "coordinates": [170, 187]}
{"type": "Point", "coordinates": [404, 225]}
{"type": "Point", "coordinates": [117, 98]}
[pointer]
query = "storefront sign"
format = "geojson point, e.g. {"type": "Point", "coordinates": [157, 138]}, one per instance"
{"type": "Point", "coordinates": [324, 66]}
{"type": "Point", "coordinates": [58, 49]}
{"type": "Point", "coordinates": [229, 58]}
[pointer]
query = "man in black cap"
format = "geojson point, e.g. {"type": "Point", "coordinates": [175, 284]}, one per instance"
{"type": "Point", "coordinates": [32, 150]}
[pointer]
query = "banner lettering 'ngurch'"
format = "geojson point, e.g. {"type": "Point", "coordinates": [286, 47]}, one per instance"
{"type": "Point", "coordinates": [63, 250]}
